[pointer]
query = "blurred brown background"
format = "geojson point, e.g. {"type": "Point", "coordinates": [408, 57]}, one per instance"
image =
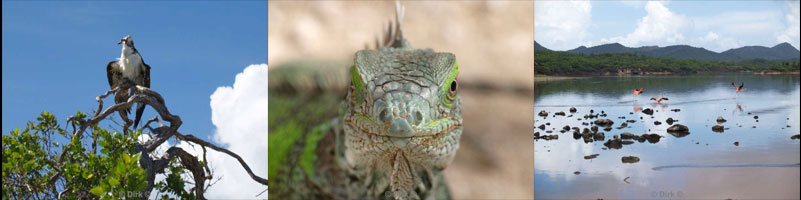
{"type": "Point", "coordinates": [494, 44]}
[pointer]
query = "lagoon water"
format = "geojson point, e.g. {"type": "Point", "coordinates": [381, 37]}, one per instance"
{"type": "Point", "coordinates": [703, 164]}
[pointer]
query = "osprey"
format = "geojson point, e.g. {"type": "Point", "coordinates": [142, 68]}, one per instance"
{"type": "Point", "coordinates": [129, 68]}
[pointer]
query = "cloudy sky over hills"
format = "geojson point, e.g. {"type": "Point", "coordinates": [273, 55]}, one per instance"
{"type": "Point", "coordinates": [714, 25]}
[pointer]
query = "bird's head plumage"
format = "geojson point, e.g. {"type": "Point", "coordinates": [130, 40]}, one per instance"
{"type": "Point", "coordinates": [127, 40]}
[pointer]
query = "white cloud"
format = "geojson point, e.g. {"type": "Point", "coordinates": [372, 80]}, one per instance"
{"type": "Point", "coordinates": [791, 34]}
{"type": "Point", "coordinates": [240, 115]}
{"type": "Point", "coordinates": [658, 26]}
{"type": "Point", "coordinates": [561, 25]}
{"type": "Point", "coordinates": [710, 36]}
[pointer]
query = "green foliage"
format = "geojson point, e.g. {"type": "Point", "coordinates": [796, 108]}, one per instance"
{"type": "Point", "coordinates": [566, 63]}
{"type": "Point", "coordinates": [32, 160]}
{"type": "Point", "coordinates": [174, 184]}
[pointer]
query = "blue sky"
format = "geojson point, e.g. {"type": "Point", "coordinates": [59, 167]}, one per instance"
{"type": "Point", "coordinates": [55, 54]}
{"type": "Point", "coordinates": [714, 25]}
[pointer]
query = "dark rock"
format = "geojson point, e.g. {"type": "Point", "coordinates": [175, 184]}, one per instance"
{"type": "Point", "coordinates": [566, 128]}
{"type": "Point", "coordinates": [577, 173]}
{"type": "Point", "coordinates": [795, 137]}
{"type": "Point", "coordinates": [598, 136]}
{"type": "Point", "coordinates": [542, 127]}
{"type": "Point", "coordinates": [675, 110]}
{"type": "Point", "coordinates": [548, 123]}
{"type": "Point", "coordinates": [623, 125]}
{"type": "Point", "coordinates": [549, 137]}
{"type": "Point", "coordinates": [630, 159]}
{"type": "Point", "coordinates": [720, 119]}
{"type": "Point", "coordinates": [543, 114]}
{"type": "Point", "coordinates": [678, 128]}
{"type": "Point", "coordinates": [572, 109]}
{"type": "Point", "coordinates": [576, 134]}
{"type": "Point", "coordinates": [651, 137]}
{"type": "Point", "coordinates": [614, 143]}
{"type": "Point", "coordinates": [627, 135]}
{"type": "Point", "coordinates": [737, 144]}
{"type": "Point", "coordinates": [756, 117]}
{"type": "Point", "coordinates": [657, 123]}
{"type": "Point", "coordinates": [604, 122]}
{"type": "Point", "coordinates": [670, 121]}
{"type": "Point", "coordinates": [594, 129]}
{"type": "Point", "coordinates": [648, 111]}
{"type": "Point", "coordinates": [608, 128]}
{"type": "Point", "coordinates": [536, 135]}
{"type": "Point", "coordinates": [591, 156]}
{"type": "Point", "coordinates": [627, 142]}
{"type": "Point", "coordinates": [591, 111]}
{"type": "Point", "coordinates": [631, 121]}
{"type": "Point", "coordinates": [560, 113]}
{"type": "Point", "coordinates": [717, 128]}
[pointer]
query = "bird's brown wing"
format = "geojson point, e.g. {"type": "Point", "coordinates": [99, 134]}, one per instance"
{"type": "Point", "coordinates": [114, 74]}
{"type": "Point", "coordinates": [115, 79]}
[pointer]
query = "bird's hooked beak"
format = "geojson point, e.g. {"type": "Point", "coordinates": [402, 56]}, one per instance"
{"type": "Point", "coordinates": [125, 39]}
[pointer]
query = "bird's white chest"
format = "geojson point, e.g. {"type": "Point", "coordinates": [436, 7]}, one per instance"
{"type": "Point", "coordinates": [130, 66]}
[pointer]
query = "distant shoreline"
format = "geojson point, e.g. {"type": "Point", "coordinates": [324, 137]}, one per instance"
{"type": "Point", "coordinates": [539, 78]}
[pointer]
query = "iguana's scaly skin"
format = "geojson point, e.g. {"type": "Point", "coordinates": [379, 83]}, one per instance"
{"type": "Point", "coordinates": [400, 127]}
{"type": "Point", "coordinates": [403, 128]}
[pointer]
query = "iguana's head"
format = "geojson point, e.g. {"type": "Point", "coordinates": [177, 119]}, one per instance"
{"type": "Point", "coordinates": [403, 101]}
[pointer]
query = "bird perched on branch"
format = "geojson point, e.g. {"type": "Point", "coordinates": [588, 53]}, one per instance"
{"type": "Point", "coordinates": [129, 68]}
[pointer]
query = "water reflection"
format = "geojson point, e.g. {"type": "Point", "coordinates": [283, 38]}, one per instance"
{"type": "Point", "coordinates": [760, 120]}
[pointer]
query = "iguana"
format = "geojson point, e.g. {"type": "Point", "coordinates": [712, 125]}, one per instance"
{"type": "Point", "coordinates": [399, 127]}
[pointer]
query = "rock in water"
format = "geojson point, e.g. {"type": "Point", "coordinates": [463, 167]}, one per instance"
{"type": "Point", "coordinates": [795, 137]}
{"type": "Point", "coordinates": [572, 109]}
{"type": "Point", "coordinates": [630, 159]}
{"type": "Point", "coordinates": [678, 130]}
{"type": "Point", "coordinates": [604, 122]}
{"type": "Point", "coordinates": [717, 128]}
{"type": "Point", "coordinates": [543, 113]}
{"type": "Point", "coordinates": [736, 143]}
{"type": "Point", "coordinates": [627, 135]}
{"type": "Point", "coordinates": [670, 121]}
{"type": "Point", "coordinates": [591, 156]}
{"type": "Point", "coordinates": [721, 120]}
{"type": "Point", "coordinates": [648, 111]}
{"type": "Point", "coordinates": [651, 137]}
{"type": "Point", "coordinates": [560, 113]}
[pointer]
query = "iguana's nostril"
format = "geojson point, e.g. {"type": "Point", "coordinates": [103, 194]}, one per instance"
{"type": "Point", "coordinates": [418, 117]}
{"type": "Point", "coordinates": [384, 116]}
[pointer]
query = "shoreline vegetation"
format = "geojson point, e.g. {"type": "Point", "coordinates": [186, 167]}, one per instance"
{"type": "Point", "coordinates": [555, 65]}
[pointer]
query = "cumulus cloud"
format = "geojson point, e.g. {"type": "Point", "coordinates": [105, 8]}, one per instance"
{"type": "Point", "coordinates": [561, 25]}
{"type": "Point", "coordinates": [791, 34]}
{"type": "Point", "coordinates": [660, 25]}
{"type": "Point", "coordinates": [240, 115]}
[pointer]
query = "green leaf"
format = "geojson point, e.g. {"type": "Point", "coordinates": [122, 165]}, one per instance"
{"type": "Point", "coordinates": [99, 191]}
{"type": "Point", "coordinates": [113, 181]}
{"type": "Point", "coordinates": [104, 151]}
{"type": "Point", "coordinates": [102, 143]}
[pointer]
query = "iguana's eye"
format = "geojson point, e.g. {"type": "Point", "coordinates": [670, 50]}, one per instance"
{"type": "Point", "coordinates": [452, 90]}
{"type": "Point", "coordinates": [450, 86]}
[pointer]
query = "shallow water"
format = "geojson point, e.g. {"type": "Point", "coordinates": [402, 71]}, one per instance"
{"type": "Point", "coordinates": [703, 164]}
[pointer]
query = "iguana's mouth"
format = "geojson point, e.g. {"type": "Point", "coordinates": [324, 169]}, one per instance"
{"type": "Point", "coordinates": [432, 129]}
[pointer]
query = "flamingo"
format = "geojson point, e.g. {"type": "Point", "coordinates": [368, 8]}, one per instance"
{"type": "Point", "coordinates": [637, 92]}
{"type": "Point", "coordinates": [659, 100]}
{"type": "Point", "coordinates": [738, 88]}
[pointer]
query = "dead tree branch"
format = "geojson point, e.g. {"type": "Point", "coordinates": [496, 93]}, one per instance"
{"type": "Point", "coordinates": [159, 135]}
